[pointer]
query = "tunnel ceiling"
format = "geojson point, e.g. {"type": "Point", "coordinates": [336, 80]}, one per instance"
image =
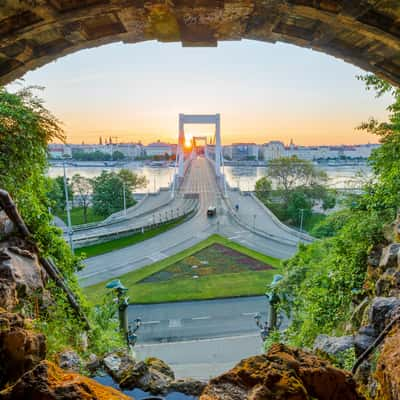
{"type": "Point", "coordinates": [363, 32]}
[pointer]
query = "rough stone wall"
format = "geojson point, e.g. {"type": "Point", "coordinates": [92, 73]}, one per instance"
{"type": "Point", "coordinates": [362, 32]}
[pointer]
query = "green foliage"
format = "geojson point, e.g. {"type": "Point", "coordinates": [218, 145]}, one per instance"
{"type": "Point", "coordinates": [274, 337]}
{"type": "Point", "coordinates": [26, 127]}
{"type": "Point", "coordinates": [299, 186]}
{"type": "Point", "coordinates": [97, 155]}
{"type": "Point", "coordinates": [118, 156]}
{"type": "Point", "coordinates": [82, 187]}
{"type": "Point", "coordinates": [323, 280]}
{"type": "Point", "coordinates": [56, 194]}
{"type": "Point", "coordinates": [263, 189]}
{"type": "Point", "coordinates": [108, 190]}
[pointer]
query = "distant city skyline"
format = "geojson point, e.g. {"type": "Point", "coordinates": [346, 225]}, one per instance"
{"type": "Point", "coordinates": [263, 92]}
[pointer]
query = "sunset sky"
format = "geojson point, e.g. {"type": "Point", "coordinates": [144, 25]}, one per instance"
{"type": "Point", "coordinates": [262, 91]}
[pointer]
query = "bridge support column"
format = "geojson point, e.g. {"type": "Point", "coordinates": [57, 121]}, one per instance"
{"type": "Point", "coordinates": [180, 156]}
{"type": "Point", "coordinates": [218, 152]}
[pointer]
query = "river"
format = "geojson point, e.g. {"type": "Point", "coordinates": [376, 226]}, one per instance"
{"type": "Point", "coordinates": [243, 177]}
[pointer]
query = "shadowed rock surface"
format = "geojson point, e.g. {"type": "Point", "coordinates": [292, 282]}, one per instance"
{"type": "Point", "coordinates": [283, 373]}
{"type": "Point", "coordinates": [49, 382]}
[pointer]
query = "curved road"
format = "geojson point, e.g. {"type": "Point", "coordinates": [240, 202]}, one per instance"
{"type": "Point", "coordinates": [200, 179]}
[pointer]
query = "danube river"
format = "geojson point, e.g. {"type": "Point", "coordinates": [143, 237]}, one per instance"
{"type": "Point", "coordinates": [245, 177]}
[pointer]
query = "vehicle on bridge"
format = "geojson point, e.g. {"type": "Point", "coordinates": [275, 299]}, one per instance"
{"type": "Point", "coordinates": [211, 211]}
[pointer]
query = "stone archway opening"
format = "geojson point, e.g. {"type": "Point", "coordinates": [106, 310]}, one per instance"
{"type": "Point", "coordinates": [362, 32]}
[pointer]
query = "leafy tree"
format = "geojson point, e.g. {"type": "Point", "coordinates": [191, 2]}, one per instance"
{"type": "Point", "coordinates": [132, 181]}
{"type": "Point", "coordinates": [325, 279]}
{"type": "Point", "coordinates": [56, 193]}
{"type": "Point", "coordinates": [291, 172]}
{"type": "Point", "coordinates": [299, 205]}
{"type": "Point", "coordinates": [26, 127]}
{"type": "Point", "coordinates": [263, 189]}
{"type": "Point", "coordinates": [108, 191]}
{"type": "Point", "coordinates": [299, 187]}
{"type": "Point", "coordinates": [83, 188]}
{"type": "Point", "coordinates": [118, 156]}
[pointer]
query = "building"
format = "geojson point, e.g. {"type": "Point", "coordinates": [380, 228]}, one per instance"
{"type": "Point", "coordinates": [159, 148]}
{"type": "Point", "coordinates": [129, 150]}
{"type": "Point", "coordinates": [272, 150]}
{"type": "Point", "coordinates": [243, 151]}
{"type": "Point", "coordinates": [59, 151]}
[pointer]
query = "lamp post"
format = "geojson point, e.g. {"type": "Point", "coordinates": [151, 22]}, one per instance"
{"type": "Point", "coordinates": [301, 219]}
{"type": "Point", "coordinates": [70, 232]}
{"type": "Point", "coordinates": [128, 330]}
{"type": "Point", "coordinates": [123, 188]}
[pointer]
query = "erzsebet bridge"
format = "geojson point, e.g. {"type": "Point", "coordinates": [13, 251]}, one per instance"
{"type": "Point", "coordinates": [198, 184]}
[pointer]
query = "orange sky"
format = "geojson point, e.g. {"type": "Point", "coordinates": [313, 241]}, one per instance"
{"type": "Point", "coordinates": [263, 92]}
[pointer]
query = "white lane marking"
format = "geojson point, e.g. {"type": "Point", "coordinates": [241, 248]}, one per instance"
{"type": "Point", "coordinates": [151, 322]}
{"type": "Point", "coordinates": [252, 314]}
{"type": "Point", "coordinates": [174, 323]}
{"type": "Point", "coordinates": [201, 318]}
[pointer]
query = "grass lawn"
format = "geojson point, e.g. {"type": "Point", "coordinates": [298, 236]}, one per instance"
{"type": "Point", "coordinates": [215, 284]}
{"type": "Point", "coordinates": [102, 248]}
{"type": "Point", "coordinates": [77, 216]}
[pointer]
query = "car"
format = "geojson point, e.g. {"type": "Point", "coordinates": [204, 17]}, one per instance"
{"type": "Point", "coordinates": [211, 211]}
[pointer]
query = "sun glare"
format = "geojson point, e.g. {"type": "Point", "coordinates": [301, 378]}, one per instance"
{"type": "Point", "coordinates": [188, 140]}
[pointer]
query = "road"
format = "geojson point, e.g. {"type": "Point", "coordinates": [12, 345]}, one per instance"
{"type": "Point", "coordinates": [200, 338]}
{"type": "Point", "coordinates": [171, 322]}
{"type": "Point", "coordinates": [199, 179]}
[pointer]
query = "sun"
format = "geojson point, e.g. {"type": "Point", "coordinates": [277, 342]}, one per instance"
{"type": "Point", "coordinates": [188, 140]}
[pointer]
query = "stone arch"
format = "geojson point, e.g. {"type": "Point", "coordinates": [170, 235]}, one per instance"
{"type": "Point", "coordinates": [363, 32]}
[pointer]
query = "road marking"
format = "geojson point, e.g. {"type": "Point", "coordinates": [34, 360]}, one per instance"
{"type": "Point", "coordinates": [151, 322]}
{"type": "Point", "coordinates": [174, 323]}
{"type": "Point", "coordinates": [250, 314]}
{"type": "Point", "coordinates": [201, 318]}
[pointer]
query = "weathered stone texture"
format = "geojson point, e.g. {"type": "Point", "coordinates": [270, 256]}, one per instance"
{"type": "Point", "coordinates": [363, 32]}
{"type": "Point", "coordinates": [282, 373]}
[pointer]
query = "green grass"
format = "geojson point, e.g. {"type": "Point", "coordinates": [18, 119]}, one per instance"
{"type": "Point", "coordinates": [207, 287]}
{"type": "Point", "coordinates": [116, 244]}
{"type": "Point", "coordinates": [77, 216]}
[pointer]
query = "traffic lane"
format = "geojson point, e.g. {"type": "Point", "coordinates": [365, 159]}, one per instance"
{"type": "Point", "coordinates": [196, 320]}
{"type": "Point", "coordinates": [188, 309]}
{"type": "Point", "coordinates": [205, 327]}
{"type": "Point", "coordinates": [202, 359]}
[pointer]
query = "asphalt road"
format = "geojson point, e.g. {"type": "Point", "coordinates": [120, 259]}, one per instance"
{"type": "Point", "coordinates": [199, 179]}
{"type": "Point", "coordinates": [203, 359]}
{"type": "Point", "coordinates": [193, 320]}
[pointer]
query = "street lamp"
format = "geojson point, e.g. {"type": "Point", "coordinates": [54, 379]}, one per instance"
{"type": "Point", "coordinates": [70, 232]}
{"type": "Point", "coordinates": [128, 330]}
{"type": "Point", "coordinates": [123, 188]}
{"type": "Point", "coordinates": [301, 219]}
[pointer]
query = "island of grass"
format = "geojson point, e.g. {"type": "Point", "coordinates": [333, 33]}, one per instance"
{"type": "Point", "coordinates": [214, 268]}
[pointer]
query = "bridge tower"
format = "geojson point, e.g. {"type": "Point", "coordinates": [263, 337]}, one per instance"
{"type": "Point", "coordinates": [214, 119]}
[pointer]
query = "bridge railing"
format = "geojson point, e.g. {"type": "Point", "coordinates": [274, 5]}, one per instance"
{"type": "Point", "coordinates": [187, 212]}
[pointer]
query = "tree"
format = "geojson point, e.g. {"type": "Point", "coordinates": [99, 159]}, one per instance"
{"type": "Point", "coordinates": [83, 188]}
{"type": "Point", "coordinates": [108, 191]}
{"type": "Point", "coordinates": [118, 156]}
{"type": "Point", "coordinates": [132, 181]}
{"type": "Point", "coordinates": [299, 206]}
{"type": "Point", "coordinates": [56, 193]}
{"type": "Point", "coordinates": [263, 189]}
{"type": "Point", "coordinates": [291, 172]}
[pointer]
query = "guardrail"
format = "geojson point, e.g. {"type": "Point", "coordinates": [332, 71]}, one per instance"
{"type": "Point", "coordinates": [279, 223]}
{"type": "Point", "coordinates": [105, 237]}
{"type": "Point", "coordinates": [117, 219]}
